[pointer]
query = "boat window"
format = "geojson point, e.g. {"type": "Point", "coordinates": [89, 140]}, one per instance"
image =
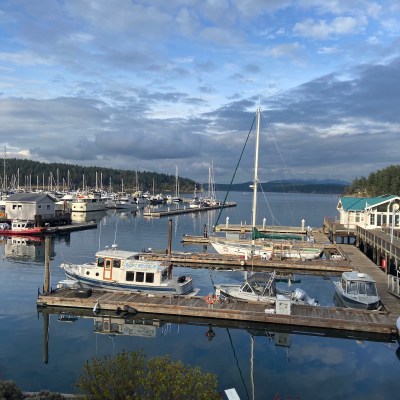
{"type": "Point", "coordinates": [116, 263]}
{"type": "Point", "coordinates": [164, 275]}
{"type": "Point", "coordinates": [100, 262]}
{"type": "Point", "coordinates": [371, 289]}
{"type": "Point", "coordinates": [352, 288]}
{"type": "Point", "coordinates": [130, 276]}
{"type": "Point", "coordinates": [246, 288]}
{"type": "Point", "coordinates": [108, 264]}
{"type": "Point", "coordinates": [361, 288]}
{"type": "Point", "coordinates": [139, 276]}
{"type": "Point", "coordinates": [149, 277]}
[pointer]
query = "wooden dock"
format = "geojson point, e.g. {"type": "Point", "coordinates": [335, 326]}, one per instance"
{"type": "Point", "coordinates": [301, 316]}
{"type": "Point", "coordinates": [218, 261]}
{"type": "Point", "coordinates": [185, 210]}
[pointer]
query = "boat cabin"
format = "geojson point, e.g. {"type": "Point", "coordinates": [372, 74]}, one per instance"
{"type": "Point", "coordinates": [355, 283]}
{"type": "Point", "coordinates": [130, 267]}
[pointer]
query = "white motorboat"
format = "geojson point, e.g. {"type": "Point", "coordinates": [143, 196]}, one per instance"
{"type": "Point", "coordinates": [357, 290]}
{"type": "Point", "coordinates": [115, 269]}
{"type": "Point", "coordinates": [88, 202]}
{"type": "Point", "coordinates": [261, 287]}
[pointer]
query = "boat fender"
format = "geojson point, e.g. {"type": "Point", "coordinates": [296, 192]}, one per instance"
{"type": "Point", "coordinates": [96, 308]}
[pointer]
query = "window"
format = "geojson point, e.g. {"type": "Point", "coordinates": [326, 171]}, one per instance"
{"type": "Point", "coordinates": [352, 288]}
{"type": "Point", "coordinates": [372, 219]}
{"type": "Point", "coordinates": [14, 206]}
{"type": "Point", "coordinates": [246, 288]}
{"type": "Point", "coordinates": [139, 276]}
{"type": "Point", "coordinates": [379, 220]}
{"type": "Point", "coordinates": [39, 206]}
{"type": "Point", "coordinates": [371, 289]}
{"type": "Point", "coordinates": [164, 275]}
{"type": "Point", "coordinates": [361, 288]}
{"type": "Point", "coordinates": [357, 217]}
{"type": "Point", "coordinates": [116, 263]}
{"type": "Point", "coordinates": [100, 262]}
{"type": "Point", "coordinates": [149, 277]}
{"type": "Point", "coordinates": [130, 276]}
{"type": "Point", "coordinates": [48, 207]}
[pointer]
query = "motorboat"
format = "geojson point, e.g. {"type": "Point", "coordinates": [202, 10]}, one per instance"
{"type": "Point", "coordinates": [88, 202]}
{"type": "Point", "coordinates": [21, 227]}
{"type": "Point", "coordinates": [261, 287]}
{"type": "Point", "coordinates": [358, 290]}
{"type": "Point", "coordinates": [115, 269]}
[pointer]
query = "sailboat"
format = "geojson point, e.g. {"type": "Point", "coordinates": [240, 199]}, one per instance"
{"type": "Point", "coordinates": [258, 245]}
{"type": "Point", "coordinates": [176, 198]}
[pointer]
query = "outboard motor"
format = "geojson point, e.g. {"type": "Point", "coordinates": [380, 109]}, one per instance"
{"type": "Point", "coordinates": [302, 296]}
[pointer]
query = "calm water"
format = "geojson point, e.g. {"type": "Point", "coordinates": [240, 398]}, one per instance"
{"type": "Point", "coordinates": [258, 363]}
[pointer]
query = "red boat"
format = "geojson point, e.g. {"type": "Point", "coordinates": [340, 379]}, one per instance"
{"type": "Point", "coordinates": [19, 227]}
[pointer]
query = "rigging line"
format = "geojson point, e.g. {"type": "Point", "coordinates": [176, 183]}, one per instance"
{"type": "Point", "coordinates": [233, 177]}
{"type": "Point", "coordinates": [237, 363]}
{"type": "Point", "coordinates": [273, 217]}
{"type": "Point", "coordinates": [285, 169]}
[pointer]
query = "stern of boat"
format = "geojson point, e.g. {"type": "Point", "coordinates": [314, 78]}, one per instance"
{"type": "Point", "coordinates": [184, 284]}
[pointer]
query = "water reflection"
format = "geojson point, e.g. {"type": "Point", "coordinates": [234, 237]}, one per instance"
{"type": "Point", "coordinates": [24, 248]}
{"type": "Point", "coordinates": [84, 217]}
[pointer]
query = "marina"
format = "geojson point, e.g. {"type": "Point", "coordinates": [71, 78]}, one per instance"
{"type": "Point", "coordinates": [197, 329]}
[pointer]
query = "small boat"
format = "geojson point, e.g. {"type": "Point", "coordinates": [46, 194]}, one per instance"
{"type": "Point", "coordinates": [21, 227]}
{"type": "Point", "coordinates": [261, 287]}
{"type": "Point", "coordinates": [115, 269]}
{"type": "Point", "coordinates": [357, 290]}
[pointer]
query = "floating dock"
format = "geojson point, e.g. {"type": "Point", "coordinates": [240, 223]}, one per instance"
{"type": "Point", "coordinates": [185, 210]}
{"type": "Point", "coordinates": [315, 317]}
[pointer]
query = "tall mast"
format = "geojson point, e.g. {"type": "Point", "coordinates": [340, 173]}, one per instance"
{"type": "Point", "coordinates": [255, 180]}
{"type": "Point", "coordinates": [4, 170]}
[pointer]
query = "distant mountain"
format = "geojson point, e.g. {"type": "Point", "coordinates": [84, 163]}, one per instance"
{"type": "Point", "coordinates": [327, 186]}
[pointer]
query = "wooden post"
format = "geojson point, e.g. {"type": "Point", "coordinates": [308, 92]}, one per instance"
{"type": "Point", "coordinates": [46, 284]}
{"type": "Point", "coordinates": [169, 237]}
{"type": "Point", "coordinates": [46, 317]}
{"type": "Point", "coordinates": [205, 231]}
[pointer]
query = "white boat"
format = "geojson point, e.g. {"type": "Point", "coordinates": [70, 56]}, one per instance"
{"type": "Point", "coordinates": [257, 246]}
{"type": "Point", "coordinates": [357, 290]}
{"type": "Point", "coordinates": [122, 201]}
{"type": "Point", "coordinates": [261, 287]}
{"type": "Point", "coordinates": [115, 269]}
{"type": "Point", "coordinates": [88, 202]}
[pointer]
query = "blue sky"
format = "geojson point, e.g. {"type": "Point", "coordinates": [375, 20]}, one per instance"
{"type": "Point", "coordinates": [151, 85]}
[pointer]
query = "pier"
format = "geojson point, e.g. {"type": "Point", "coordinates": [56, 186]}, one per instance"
{"type": "Point", "coordinates": [296, 317]}
{"type": "Point", "coordinates": [185, 210]}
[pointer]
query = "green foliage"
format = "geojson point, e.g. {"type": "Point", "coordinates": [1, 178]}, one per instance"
{"type": "Point", "coordinates": [130, 376]}
{"type": "Point", "coordinates": [381, 182]}
{"type": "Point", "coordinates": [33, 173]}
{"type": "Point", "coordinates": [9, 391]}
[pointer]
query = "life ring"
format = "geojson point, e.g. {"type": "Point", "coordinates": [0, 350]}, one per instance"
{"type": "Point", "coordinates": [211, 299]}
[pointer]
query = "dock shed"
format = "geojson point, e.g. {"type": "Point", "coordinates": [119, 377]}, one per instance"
{"type": "Point", "coordinates": [30, 206]}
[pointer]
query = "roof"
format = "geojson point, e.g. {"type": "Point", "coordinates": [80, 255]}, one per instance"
{"type": "Point", "coordinates": [361, 203]}
{"type": "Point", "coordinates": [29, 197]}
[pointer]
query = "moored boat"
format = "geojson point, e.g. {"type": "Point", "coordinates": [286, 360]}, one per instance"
{"type": "Point", "coordinates": [357, 290]}
{"type": "Point", "coordinates": [261, 287]}
{"type": "Point", "coordinates": [116, 269]}
{"type": "Point", "coordinates": [21, 227]}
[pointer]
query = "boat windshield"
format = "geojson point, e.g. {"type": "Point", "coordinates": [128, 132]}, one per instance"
{"type": "Point", "coordinates": [371, 289]}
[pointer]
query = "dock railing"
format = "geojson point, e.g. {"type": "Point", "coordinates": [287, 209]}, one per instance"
{"type": "Point", "coordinates": [393, 285]}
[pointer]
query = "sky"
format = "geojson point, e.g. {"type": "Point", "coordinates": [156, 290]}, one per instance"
{"type": "Point", "coordinates": [157, 85]}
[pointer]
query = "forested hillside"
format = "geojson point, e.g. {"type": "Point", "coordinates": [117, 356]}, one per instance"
{"type": "Point", "coordinates": [385, 181]}
{"type": "Point", "coordinates": [29, 174]}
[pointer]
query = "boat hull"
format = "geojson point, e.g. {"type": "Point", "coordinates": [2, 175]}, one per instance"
{"type": "Point", "coordinates": [185, 287]}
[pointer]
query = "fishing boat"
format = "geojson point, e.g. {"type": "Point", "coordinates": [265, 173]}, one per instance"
{"type": "Point", "coordinates": [115, 269]}
{"type": "Point", "coordinates": [261, 287]}
{"type": "Point", "coordinates": [21, 227]}
{"type": "Point", "coordinates": [357, 290]}
{"type": "Point", "coordinates": [259, 244]}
